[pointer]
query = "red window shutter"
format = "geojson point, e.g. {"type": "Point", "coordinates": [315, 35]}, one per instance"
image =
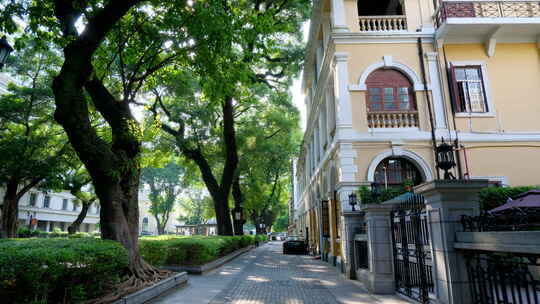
{"type": "Point", "coordinates": [454, 91]}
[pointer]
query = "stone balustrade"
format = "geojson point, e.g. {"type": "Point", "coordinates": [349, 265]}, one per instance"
{"type": "Point", "coordinates": [405, 119]}
{"type": "Point", "coordinates": [382, 23]}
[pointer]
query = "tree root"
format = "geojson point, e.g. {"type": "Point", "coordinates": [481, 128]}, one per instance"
{"type": "Point", "coordinates": [140, 277]}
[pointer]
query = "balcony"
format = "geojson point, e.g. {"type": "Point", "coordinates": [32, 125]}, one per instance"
{"type": "Point", "coordinates": [482, 20]}
{"type": "Point", "coordinates": [382, 23]}
{"type": "Point", "coordinates": [394, 119]}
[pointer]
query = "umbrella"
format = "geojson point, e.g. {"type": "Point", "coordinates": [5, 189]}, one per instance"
{"type": "Point", "coordinates": [529, 199]}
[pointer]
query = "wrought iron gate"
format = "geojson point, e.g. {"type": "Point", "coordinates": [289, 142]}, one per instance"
{"type": "Point", "coordinates": [411, 248]}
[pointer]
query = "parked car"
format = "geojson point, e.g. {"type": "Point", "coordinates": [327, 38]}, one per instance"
{"type": "Point", "coordinates": [294, 244]}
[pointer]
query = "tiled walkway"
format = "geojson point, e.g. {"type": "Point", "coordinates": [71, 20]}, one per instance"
{"type": "Point", "coordinates": [266, 276]}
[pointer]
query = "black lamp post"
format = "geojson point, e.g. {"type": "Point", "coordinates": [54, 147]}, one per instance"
{"type": "Point", "coordinates": [445, 159]}
{"type": "Point", "coordinates": [353, 200]}
{"type": "Point", "coordinates": [238, 215]}
{"type": "Point", "coordinates": [5, 50]}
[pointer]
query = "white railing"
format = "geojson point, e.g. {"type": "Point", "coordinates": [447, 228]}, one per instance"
{"type": "Point", "coordinates": [382, 23]}
{"type": "Point", "coordinates": [393, 119]}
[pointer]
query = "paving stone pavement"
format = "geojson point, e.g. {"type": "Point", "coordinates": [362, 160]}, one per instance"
{"type": "Point", "coordinates": [266, 276]}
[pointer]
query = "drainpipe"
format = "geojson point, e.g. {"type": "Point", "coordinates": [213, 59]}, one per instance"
{"type": "Point", "coordinates": [428, 99]}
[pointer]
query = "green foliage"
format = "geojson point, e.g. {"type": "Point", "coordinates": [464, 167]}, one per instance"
{"type": "Point", "coordinates": [197, 208]}
{"type": "Point", "coordinates": [366, 196]}
{"type": "Point", "coordinates": [59, 270]}
{"type": "Point", "coordinates": [165, 184]}
{"type": "Point", "coordinates": [282, 223]}
{"type": "Point", "coordinates": [27, 127]}
{"type": "Point", "coordinates": [494, 197]}
{"type": "Point", "coordinates": [196, 250]}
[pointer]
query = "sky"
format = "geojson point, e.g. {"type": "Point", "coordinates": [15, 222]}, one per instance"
{"type": "Point", "coordinates": [296, 90]}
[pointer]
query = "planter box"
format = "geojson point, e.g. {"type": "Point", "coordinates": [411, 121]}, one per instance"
{"type": "Point", "coordinates": [154, 291]}
{"type": "Point", "coordinates": [210, 265]}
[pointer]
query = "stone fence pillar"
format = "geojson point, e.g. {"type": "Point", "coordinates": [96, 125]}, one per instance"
{"type": "Point", "coordinates": [379, 277]}
{"type": "Point", "coordinates": [446, 201]}
{"type": "Point", "coordinates": [353, 221]}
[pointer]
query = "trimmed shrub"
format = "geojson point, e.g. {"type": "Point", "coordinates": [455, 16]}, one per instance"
{"type": "Point", "coordinates": [494, 197]}
{"type": "Point", "coordinates": [59, 270]}
{"type": "Point", "coordinates": [189, 251]}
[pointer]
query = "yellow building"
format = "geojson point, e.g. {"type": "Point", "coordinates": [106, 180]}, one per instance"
{"type": "Point", "coordinates": [385, 80]}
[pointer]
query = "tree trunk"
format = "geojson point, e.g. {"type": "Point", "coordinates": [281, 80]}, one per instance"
{"type": "Point", "coordinates": [119, 219]}
{"type": "Point", "coordinates": [74, 227]}
{"type": "Point", "coordinates": [10, 210]}
{"type": "Point", "coordinates": [160, 225]}
{"type": "Point", "coordinates": [237, 195]}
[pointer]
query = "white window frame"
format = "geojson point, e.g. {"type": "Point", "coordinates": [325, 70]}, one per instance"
{"type": "Point", "coordinates": [487, 89]}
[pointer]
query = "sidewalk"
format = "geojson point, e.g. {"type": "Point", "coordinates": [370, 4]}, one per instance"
{"type": "Point", "coordinates": [266, 276]}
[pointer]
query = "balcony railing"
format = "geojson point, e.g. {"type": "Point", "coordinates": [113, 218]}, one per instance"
{"type": "Point", "coordinates": [487, 9]}
{"type": "Point", "coordinates": [382, 23]}
{"type": "Point", "coordinates": [393, 119]}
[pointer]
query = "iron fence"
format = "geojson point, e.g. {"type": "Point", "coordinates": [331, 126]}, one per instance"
{"type": "Point", "coordinates": [511, 220]}
{"type": "Point", "coordinates": [412, 251]}
{"type": "Point", "coordinates": [503, 278]}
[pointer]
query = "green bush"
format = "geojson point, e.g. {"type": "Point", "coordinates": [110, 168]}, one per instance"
{"type": "Point", "coordinates": [59, 270]}
{"type": "Point", "coordinates": [24, 232]}
{"type": "Point", "coordinates": [494, 197]}
{"type": "Point", "coordinates": [366, 196]}
{"type": "Point", "coordinates": [189, 251]}
{"type": "Point", "coordinates": [79, 235]}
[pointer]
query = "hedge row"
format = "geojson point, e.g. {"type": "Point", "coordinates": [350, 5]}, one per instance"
{"type": "Point", "coordinates": [59, 270]}
{"type": "Point", "coordinates": [178, 250]}
{"type": "Point", "coordinates": [24, 232]}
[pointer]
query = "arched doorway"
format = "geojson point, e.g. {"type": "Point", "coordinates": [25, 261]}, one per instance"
{"type": "Point", "coordinates": [389, 90]}
{"type": "Point", "coordinates": [393, 172]}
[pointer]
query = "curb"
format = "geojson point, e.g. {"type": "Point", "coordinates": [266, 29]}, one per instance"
{"type": "Point", "coordinates": [210, 265]}
{"type": "Point", "coordinates": [154, 291]}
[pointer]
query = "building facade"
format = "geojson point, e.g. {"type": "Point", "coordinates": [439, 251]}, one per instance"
{"type": "Point", "coordinates": [386, 80]}
{"type": "Point", "coordinates": [49, 210]}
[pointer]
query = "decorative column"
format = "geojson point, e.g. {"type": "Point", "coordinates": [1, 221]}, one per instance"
{"type": "Point", "coordinates": [446, 202]}
{"type": "Point", "coordinates": [343, 102]}
{"type": "Point", "coordinates": [435, 81]}
{"type": "Point", "coordinates": [339, 19]}
{"type": "Point", "coordinates": [379, 278]}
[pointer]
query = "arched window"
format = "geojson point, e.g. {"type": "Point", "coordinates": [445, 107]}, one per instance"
{"type": "Point", "coordinates": [389, 90]}
{"type": "Point", "coordinates": [393, 172]}
{"type": "Point", "coordinates": [145, 224]}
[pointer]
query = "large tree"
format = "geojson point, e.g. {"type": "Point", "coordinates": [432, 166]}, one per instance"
{"type": "Point", "coordinates": [244, 44]}
{"type": "Point", "coordinates": [32, 146]}
{"type": "Point", "coordinates": [110, 49]}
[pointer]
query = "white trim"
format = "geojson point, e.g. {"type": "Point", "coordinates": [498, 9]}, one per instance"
{"type": "Point", "coordinates": [437, 93]}
{"type": "Point", "coordinates": [421, 164]}
{"type": "Point", "coordinates": [495, 20]}
{"type": "Point", "coordinates": [502, 179]}
{"type": "Point", "coordinates": [347, 135]}
{"type": "Point", "coordinates": [388, 63]}
{"type": "Point", "coordinates": [487, 88]}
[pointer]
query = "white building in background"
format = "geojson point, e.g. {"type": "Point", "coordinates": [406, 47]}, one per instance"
{"type": "Point", "coordinates": [48, 210]}
{"type": "Point", "coordinates": [148, 223]}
